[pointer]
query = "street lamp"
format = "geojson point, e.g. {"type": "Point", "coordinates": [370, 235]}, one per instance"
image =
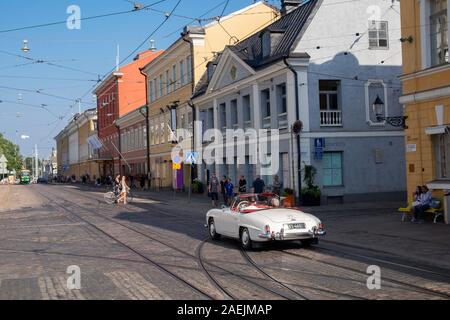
{"type": "Point", "coordinates": [25, 46]}
{"type": "Point", "coordinates": [378, 106]}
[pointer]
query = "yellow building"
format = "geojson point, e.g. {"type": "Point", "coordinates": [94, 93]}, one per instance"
{"type": "Point", "coordinates": [75, 156]}
{"type": "Point", "coordinates": [426, 93]}
{"type": "Point", "coordinates": [172, 77]}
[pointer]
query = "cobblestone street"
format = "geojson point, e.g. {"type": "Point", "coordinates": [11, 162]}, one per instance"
{"type": "Point", "coordinates": [158, 249]}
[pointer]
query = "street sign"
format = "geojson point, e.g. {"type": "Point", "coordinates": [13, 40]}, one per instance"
{"type": "Point", "coordinates": [176, 166]}
{"type": "Point", "coordinates": [191, 158]}
{"type": "Point", "coordinates": [319, 144]}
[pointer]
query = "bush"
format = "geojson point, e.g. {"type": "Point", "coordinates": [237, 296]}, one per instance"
{"type": "Point", "coordinates": [288, 192]}
{"type": "Point", "coordinates": [197, 187]}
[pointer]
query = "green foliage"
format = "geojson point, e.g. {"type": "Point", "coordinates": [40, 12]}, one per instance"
{"type": "Point", "coordinates": [310, 175]}
{"type": "Point", "coordinates": [288, 192]}
{"type": "Point", "coordinates": [197, 187]}
{"type": "Point", "coordinates": [311, 190]}
{"type": "Point", "coordinates": [12, 154]}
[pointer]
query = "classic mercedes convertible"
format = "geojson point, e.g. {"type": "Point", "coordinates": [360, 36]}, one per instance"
{"type": "Point", "coordinates": [258, 218]}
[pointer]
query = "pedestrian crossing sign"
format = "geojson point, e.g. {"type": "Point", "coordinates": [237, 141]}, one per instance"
{"type": "Point", "coordinates": [191, 157]}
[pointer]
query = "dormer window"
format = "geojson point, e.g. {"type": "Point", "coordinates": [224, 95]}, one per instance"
{"type": "Point", "coordinates": [266, 44]}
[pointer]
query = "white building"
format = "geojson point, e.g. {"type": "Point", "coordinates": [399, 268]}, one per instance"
{"type": "Point", "coordinates": [324, 63]}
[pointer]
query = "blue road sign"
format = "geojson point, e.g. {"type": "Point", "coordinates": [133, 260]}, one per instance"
{"type": "Point", "coordinates": [191, 157]}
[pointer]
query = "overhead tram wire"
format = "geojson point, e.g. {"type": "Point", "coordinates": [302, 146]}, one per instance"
{"type": "Point", "coordinates": [132, 53]}
{"type": "Point", "coordinates": [81, 19]}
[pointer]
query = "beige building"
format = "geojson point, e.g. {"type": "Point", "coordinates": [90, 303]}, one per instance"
{"type": "Point", "coordinates": [172, 77]}
{"type": "Point", "coordinates": [75, 156]}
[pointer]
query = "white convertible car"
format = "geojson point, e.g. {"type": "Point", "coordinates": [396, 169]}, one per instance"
{"type": "Point", "coordinates": [261, 218]}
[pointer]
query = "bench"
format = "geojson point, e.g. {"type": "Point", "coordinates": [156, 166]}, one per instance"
{"type": "Point", "coordinates": [437, 212]}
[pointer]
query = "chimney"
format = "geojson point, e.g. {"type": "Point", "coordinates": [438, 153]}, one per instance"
{"type": "Point", "coordinates": [289, 5]}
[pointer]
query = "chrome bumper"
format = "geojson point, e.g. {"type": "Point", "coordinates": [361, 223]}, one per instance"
{"type": "Point", "coordinates": [291, 235]}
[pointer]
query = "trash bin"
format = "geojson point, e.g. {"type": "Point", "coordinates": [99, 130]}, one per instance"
{"type": "Point", "coordinates": [446, 206]}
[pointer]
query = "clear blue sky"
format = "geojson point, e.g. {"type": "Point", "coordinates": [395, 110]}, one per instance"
{"type": "Point", "coordinates": [91, 50]}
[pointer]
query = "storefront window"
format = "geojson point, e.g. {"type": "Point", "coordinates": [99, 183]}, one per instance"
{"type": "Point", "coordinates": [332, 169]}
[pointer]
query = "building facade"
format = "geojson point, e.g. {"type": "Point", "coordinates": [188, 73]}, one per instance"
{"type": "Point", "coordinates": [121, 92]}
{"type": "Point", "coordinates": [323, 63]}
{"type": "Point", "coordinates": [172, 77]}
{"type": "Point", "coordinates": [75, 157]}
{"type": "Point", "coordinates": [133, 143]}
{"type": "Point", "coordinates": [426, 93]}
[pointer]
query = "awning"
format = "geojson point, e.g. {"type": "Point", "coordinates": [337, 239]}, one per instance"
{"type": "Point", "coordinates": [437, 130]}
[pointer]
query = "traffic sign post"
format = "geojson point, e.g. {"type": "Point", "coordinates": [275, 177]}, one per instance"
{"type": "Point", "coordinates": [190, 158]}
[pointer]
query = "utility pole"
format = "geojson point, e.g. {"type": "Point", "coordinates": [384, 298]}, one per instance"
{"type": "Point", "coordinates": [36, 164]}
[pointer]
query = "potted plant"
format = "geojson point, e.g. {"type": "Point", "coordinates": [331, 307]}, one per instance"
{"type": "Point", "coordinates": [289, 198]}
{"type": "Point", "coordinates": [311, 194]}
{"type": "Point", "coordinates": [197, 186]}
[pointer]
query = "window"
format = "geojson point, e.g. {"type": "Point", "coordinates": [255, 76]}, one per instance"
{"type": "Point", "coordinates": [174, 79]}
{"type": "Point", "coordinates": [378, 35]}
{"type": "Point", "coordinates": [329, 91]}
{"type": "Point", "coordinates": [161, 93]}
{"type": "Point", "coordinates": [223, 115]}
{"type": "Point", "coordinates": [155, 88]}
{"type": "Point", "coordinates": [265, 108]}
{"type": "Point", "coordinates": [152, 93]}
{"type": "Point", "coordinates": [332, 169]}
{"type": "Point", "coordinates": [247, 111]}
{"type": "Point", "coordinates": [439, 32]}
{"type": "Point", "coordinates": [167, 82]}
{"type": "Point", "coordinates": [441, 145]}
{"type": "Point", "coordinates": [265, 44]}
{"type": "Point", "coordinates": [189, 68]}
{"type": "Point", "coordinates": [210, 120]}
{"type": "Point", "coordinates": [282, 106]}
{"type": "Point", "coordinates": [234, 113]}
{"type": "Point", "coordinates": [182, 71]}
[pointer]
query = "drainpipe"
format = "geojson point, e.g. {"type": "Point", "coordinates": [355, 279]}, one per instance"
{"type": "Point", "coordinates": [120, 148]}
{"type": "Point", "coordinates": [297, 114]}
{"type": "Point", "coordinates": [147, 128]}
{"type": "Point", "coordinates": [191, 48]}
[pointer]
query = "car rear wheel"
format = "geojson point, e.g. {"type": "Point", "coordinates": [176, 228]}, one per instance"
{"type": "Point", "coordinates": [246, 242]}
{"type": "Point", "coordinates": [212, 230]}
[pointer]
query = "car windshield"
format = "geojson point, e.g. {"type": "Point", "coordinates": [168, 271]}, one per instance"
{"type": "Point", "coordinates": [251, 203]}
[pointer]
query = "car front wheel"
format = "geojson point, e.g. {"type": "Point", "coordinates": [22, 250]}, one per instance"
{"type": "Point", "coordinates": [212, 230]}
{"type": "Point", "coordinates": [246, 242]}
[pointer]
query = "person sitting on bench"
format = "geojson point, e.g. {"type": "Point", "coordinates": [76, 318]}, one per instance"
{"type": "Point", "coordinates": [421, 205]}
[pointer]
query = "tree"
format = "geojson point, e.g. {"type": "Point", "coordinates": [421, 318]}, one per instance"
{"type": "Point", "coordinates": [12, 154]}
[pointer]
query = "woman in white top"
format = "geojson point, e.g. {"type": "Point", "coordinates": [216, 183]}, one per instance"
{"type": "Point", "coordinates": [124, 190]}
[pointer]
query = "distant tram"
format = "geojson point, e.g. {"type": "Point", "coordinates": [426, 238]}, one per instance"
{"type": "Point", "coordinates": [24, 176]}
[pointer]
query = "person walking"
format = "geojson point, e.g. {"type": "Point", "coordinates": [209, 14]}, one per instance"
{"type": "Point", "coordinates": [124, 191]}
{"type": "Point", "coordinates": [276, 186]}
{"type": "Point", "coordinates": [213, 190]}
{"type": "Point", "coordinates": [258, 185]}
{"type": "Point", "coordinates": [229, 190]}
{"type": "Point", "coordinates": [223, 190]}
{"type": "Point", "coordinates": [242, 185]}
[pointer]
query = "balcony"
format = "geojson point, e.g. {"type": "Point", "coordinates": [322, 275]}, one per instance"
{"type": "Point", "coordinates": [331, 118]}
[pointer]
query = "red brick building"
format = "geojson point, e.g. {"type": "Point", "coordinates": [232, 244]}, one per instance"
{"type": "Point", "coordinates": [121, 92]}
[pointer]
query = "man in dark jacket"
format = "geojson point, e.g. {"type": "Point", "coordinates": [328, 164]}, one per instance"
{"type": "Point", "coordinates": [258, 185]}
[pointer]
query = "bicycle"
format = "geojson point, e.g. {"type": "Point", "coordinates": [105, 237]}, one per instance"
{"type": "Point", "coordinates": [112, 197]}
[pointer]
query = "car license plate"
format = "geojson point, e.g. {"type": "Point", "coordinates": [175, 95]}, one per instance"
{"type": "Point", "coordinates": [297, 226]}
